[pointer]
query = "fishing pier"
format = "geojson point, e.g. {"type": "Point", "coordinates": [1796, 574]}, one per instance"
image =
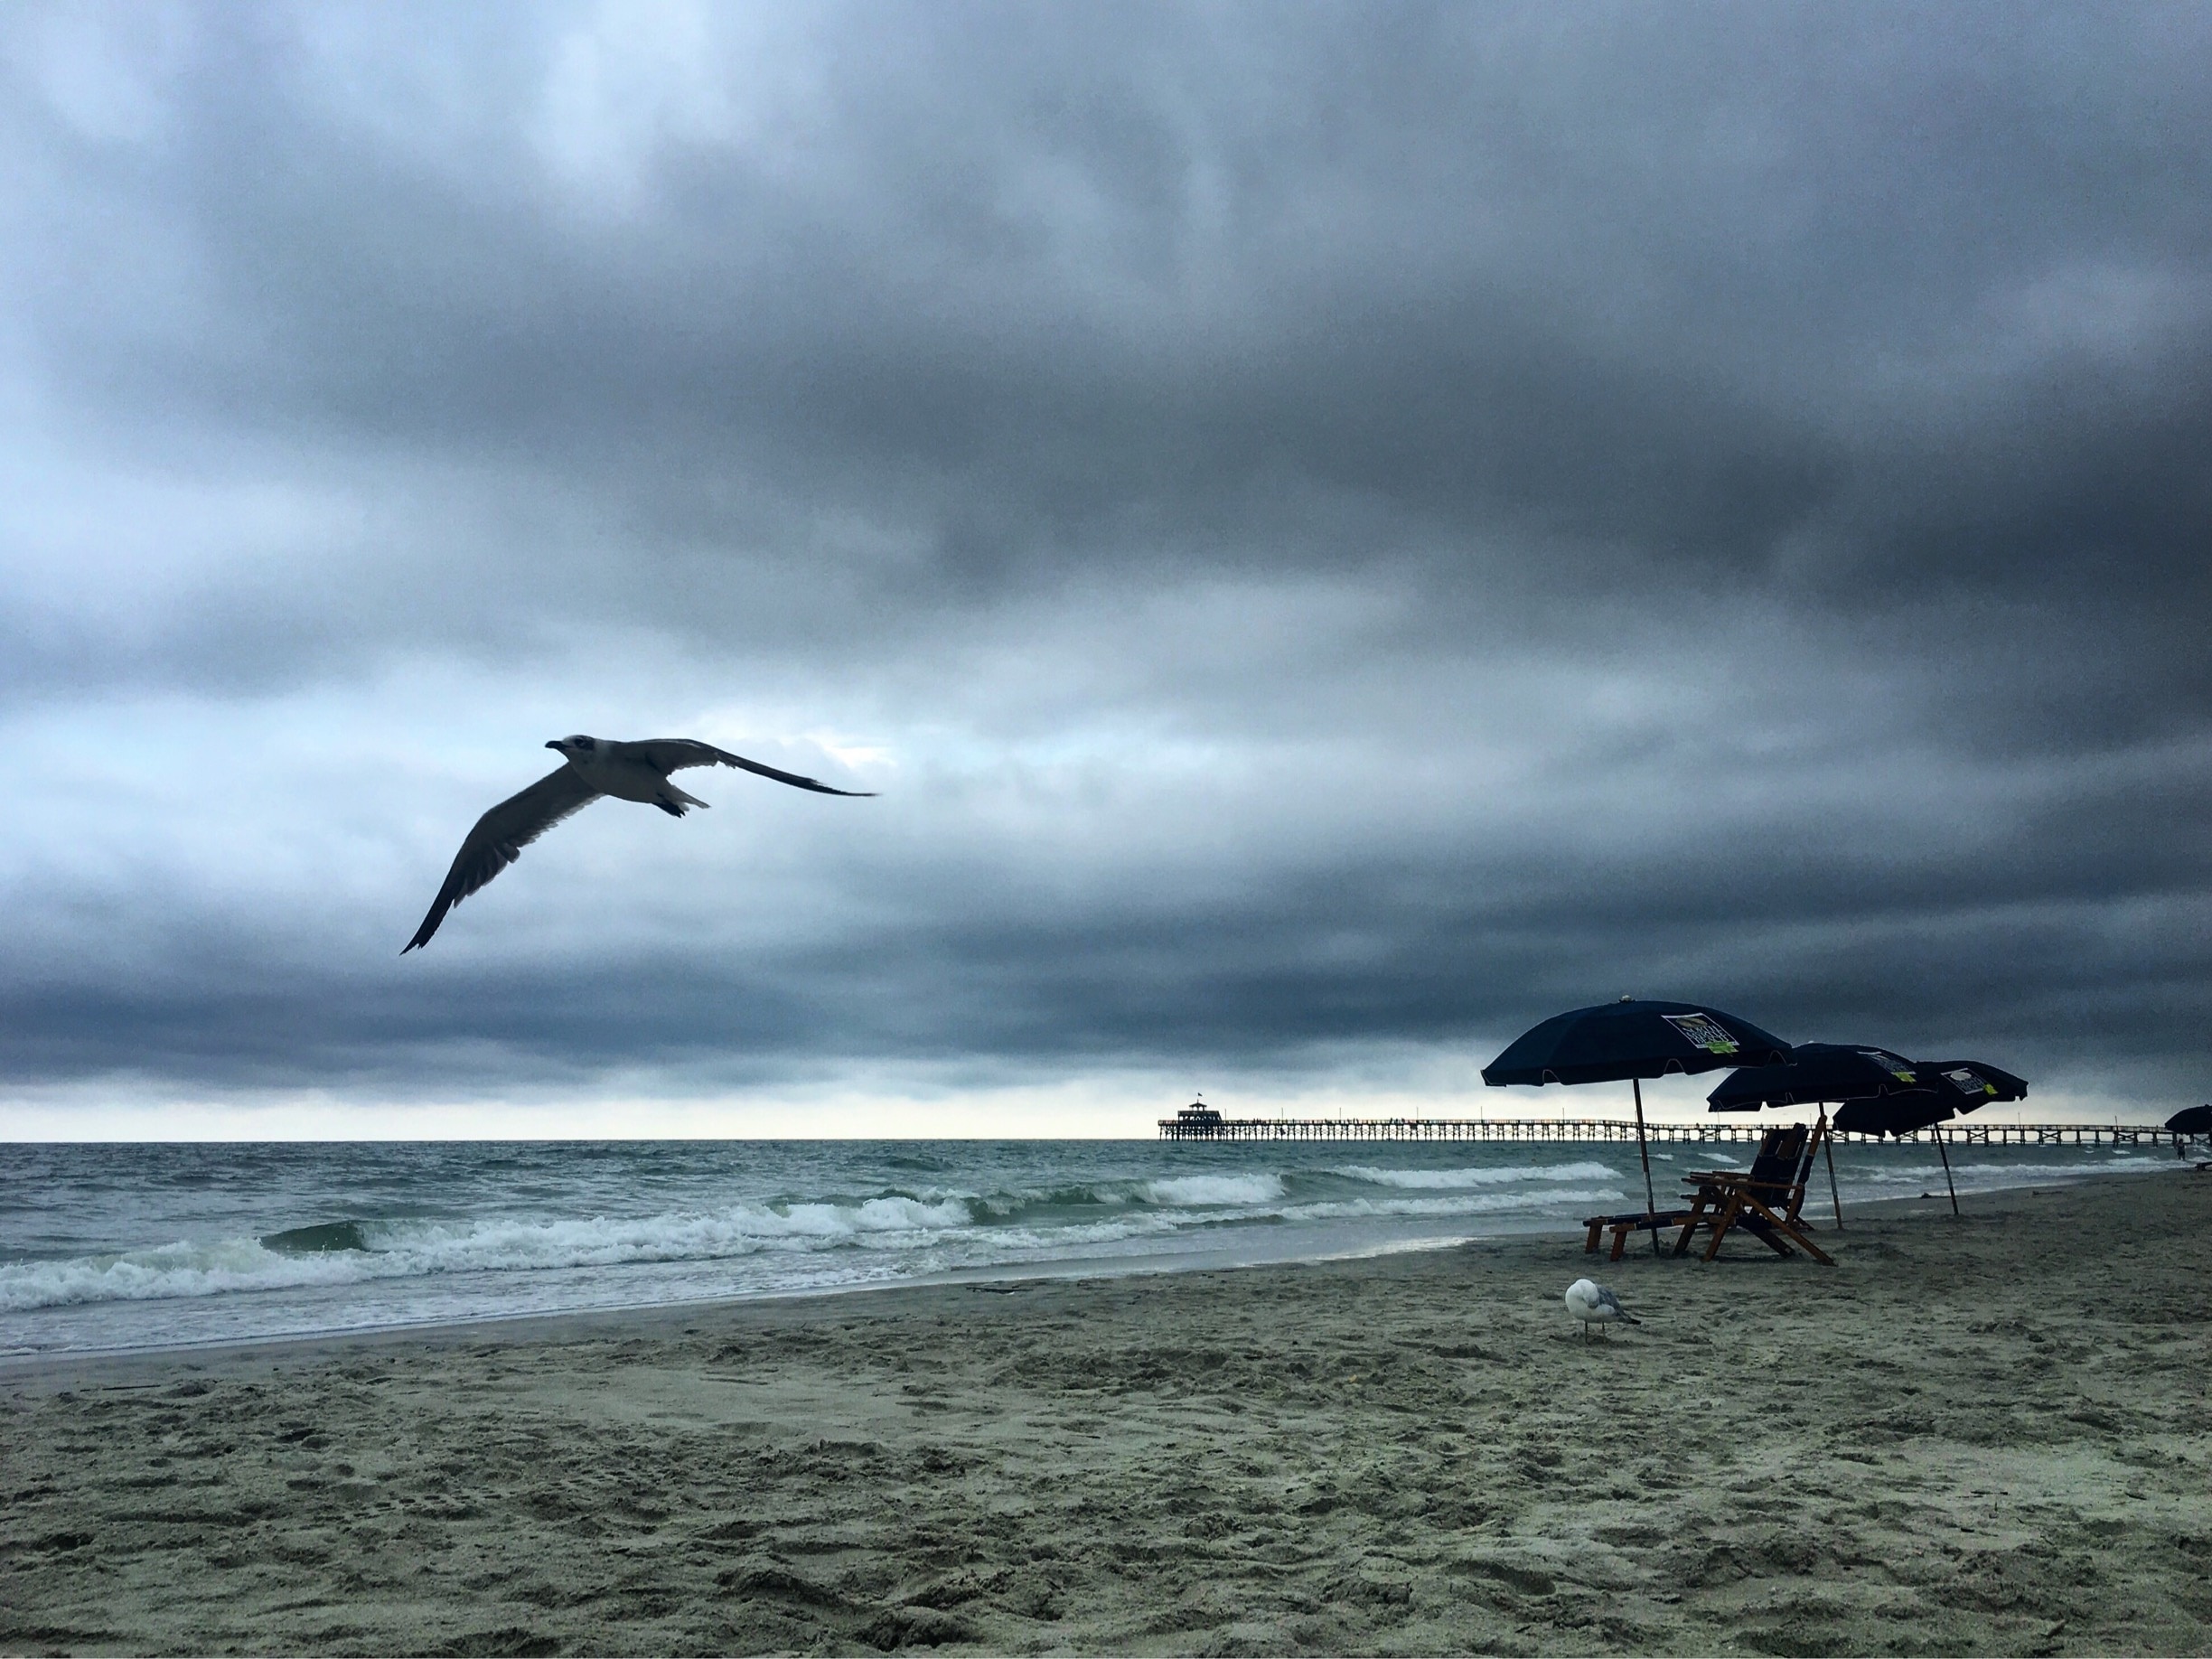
{"type": "Point", "coordinates": [1206, 1124]}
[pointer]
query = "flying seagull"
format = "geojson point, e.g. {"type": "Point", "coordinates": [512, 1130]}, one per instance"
{"type": "Point", "coordinates": [592, 767]}
{"type": "Point", "coordinates": [1593, 1304]}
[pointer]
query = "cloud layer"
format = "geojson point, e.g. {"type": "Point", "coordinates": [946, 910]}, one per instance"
{"type": "Point", "coordinates": [1336, 532]}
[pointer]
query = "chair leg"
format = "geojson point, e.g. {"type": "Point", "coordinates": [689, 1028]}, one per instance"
{"type": "Point", "coordinates": [1722, 1223]}
{"type": "Point", "coordinates": [1697, 1213]}
{"type": "Point", "coordinates": [1590, 1244]}
{"type": "Point", "coordinates": [1764, 1234]}
{"type": "Point", "coordinates": [1620, 1241]}
{"type": "Point", "coordinates": [1795, 1236]}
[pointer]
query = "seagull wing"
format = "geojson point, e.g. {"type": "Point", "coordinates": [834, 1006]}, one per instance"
{"type": "Point", "coordinates": [499, 838]}
{"type": "Point", "coordinates": [667, 754]}
{"type": "Point", "coordinates": [1606, 1299]}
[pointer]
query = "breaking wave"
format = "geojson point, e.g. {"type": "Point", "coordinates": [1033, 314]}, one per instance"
{"type": "Point", "coordinates": [1213, 1189]}
{"type": "Point", "coordinates": [1437, 1179]}
{"type": "Point", "coordinates": [356, 1251]}
{"type": "Point", "coordinates": [119, 1247]}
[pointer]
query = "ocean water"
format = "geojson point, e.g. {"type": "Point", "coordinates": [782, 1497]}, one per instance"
{"type": "Point", "coordinates": [111, 1247]}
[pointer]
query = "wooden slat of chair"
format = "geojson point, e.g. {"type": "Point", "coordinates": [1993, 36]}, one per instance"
{"type": "Point", "coordinates": [1632, 1221]}
{"type": "Point", "coordinates": [1639, 1221]}
{"type": "Point", "coordinates": [1806, 1167]}
{"type": "Point", "coordinates": [1658, 1220]}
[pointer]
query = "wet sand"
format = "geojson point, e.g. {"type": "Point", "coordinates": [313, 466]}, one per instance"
{"type": "Point", "coordinates": [1987, 1435]}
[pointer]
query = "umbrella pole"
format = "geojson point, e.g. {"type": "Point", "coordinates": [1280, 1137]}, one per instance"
{"type": "Point", "coordinates": [1828, 1148]}
{"type": "Point", "coordinates": [1651, 1202]}
{"type": "Point", "coordinates": [1947, 1161]}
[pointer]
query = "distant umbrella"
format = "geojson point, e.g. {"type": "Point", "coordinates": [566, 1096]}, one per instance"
{"type": "Point", "coordinates": [1633, 1040]}
{"type": "Point", "coordinates": [2189, 1124]}
{"type": "Point", "coordinates": [2191, 1120]}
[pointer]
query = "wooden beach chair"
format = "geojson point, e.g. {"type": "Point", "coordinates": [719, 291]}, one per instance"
{"type": "Point", "coordinates": [1764, 1200]}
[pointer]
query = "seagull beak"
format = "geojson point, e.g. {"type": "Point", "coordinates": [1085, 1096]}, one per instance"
{"type": "Point", "coordinates": [554, 744]}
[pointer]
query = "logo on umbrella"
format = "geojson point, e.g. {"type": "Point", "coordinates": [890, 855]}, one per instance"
{"type": "Point", "coordinates": [1704, 1031]}
{"type": "Point", "coordinates": [1902, 1070]}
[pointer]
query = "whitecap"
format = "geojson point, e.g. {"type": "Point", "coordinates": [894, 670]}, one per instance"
{"type": "Point", "coordinates": [411, 1248]}
{"type": "Point", "coordinates": [1496, 1177]}
{"type": "Point", "coordinates": [1213, 1189]}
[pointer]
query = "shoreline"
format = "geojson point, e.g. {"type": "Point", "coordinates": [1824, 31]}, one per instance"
{"type": "Point", "coordinates": [1077, 1270]}
{"type": "Point", "coordinates": [1984, 1435]}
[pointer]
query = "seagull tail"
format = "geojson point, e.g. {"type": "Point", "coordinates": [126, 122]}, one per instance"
{"type": "Point", "coordinates": [675, 801]}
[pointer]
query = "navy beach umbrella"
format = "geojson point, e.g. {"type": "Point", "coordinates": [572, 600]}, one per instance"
{"type": "Point", "coordinates": [1978, 1081]}
{"type": "Point", "coordinates": [1633, 1040]}
{"type": "Point", "coordinates": [1818, 1073]}
{"type": "Point", "coordinates": [1949, 1087]}
{"type": "Point", "coordinates": [2190, 1123]}
{"type": "Point", "coordinates": [1621, 1041]}
{"type": "Point", "coordinates": [1895, 1114]}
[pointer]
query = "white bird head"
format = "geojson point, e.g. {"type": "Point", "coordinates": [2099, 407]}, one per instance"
{"type": "Point", "coordinates": [574, 747]}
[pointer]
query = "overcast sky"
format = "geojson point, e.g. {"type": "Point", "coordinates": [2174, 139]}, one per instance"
{"type": "Point", "coordinates": [1336, 532]}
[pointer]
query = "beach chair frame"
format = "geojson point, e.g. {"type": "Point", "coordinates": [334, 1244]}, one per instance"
{"type": "Point", "coordinates": [1755, 1199]}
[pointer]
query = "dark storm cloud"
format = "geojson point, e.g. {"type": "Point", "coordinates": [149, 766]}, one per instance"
{"type": "Point", "coordinates": [1814, 404]}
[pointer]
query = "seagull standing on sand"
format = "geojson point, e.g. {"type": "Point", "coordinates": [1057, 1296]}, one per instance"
{"type": "Point", "coordinates": [592, 767]}
{"type": "Point", "coordinates": [1593, 1304]}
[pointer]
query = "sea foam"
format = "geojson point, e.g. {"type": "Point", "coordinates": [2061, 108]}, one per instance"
{"type": "Point", "coordinates": [1436, 1179]}
{"type": "Point", "coordinates": [1213, 1189]}
{"type": "Point", "coordinates": [358, 1251]}
{"type": "Point", "coordinates": [119, 1246]}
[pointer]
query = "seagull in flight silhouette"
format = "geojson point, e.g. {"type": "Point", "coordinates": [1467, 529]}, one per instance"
{"type": "Point", "coordinates": [592, 767]}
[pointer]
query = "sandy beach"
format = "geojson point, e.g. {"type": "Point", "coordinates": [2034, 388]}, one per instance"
{"type": "Point", "coordinates": [1982, 1435]}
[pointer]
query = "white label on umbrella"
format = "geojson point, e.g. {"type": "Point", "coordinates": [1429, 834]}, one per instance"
{"type": "Point", "coordinates": [1704, 1031]}
{"type": "Point", "coordinates": [1971, 1081]}
{"type": "Point", "coordinates": [1899, 1069]}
